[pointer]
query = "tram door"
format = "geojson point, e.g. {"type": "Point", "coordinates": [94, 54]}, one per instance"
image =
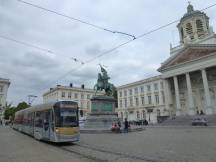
{"type": "Point", "coordinates": [47, 125]}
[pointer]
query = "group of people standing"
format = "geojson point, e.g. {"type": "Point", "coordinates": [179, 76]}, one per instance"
{"type": "Point", "coordinates": [116, 127]}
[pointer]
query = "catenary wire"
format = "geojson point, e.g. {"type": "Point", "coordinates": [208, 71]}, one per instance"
{"type": "Point", "coordinates": [76, 19]}
{"type": "Point", "coordinates": [138, 37]}
{"type": "Point", "coordinates": [39, 48]}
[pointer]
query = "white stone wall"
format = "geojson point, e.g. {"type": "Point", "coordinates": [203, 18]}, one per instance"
{"type": "Point", "coordinates": [79, 95]}
{"type": "Point", "coordinates": [141, 89]}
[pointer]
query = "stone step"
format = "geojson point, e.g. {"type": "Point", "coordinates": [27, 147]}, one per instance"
{"type": "Point", "coordinates": [187, 120]}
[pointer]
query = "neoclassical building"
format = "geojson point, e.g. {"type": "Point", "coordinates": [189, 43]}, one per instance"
{"type": "Point", "coordinates": [4, 85]}
{"type": "Point", "coordinates": [188, 75]}
{"type": "Point", "coordinates": [81, 95]}
{"type": "Point", "coordinates": [144, 99]}
{"type": "Point", "coordinates": [190, 71]}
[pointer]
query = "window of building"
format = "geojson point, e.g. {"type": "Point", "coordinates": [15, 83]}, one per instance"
{"type": "Point", "coordinates": [199, 26]}
{"type": "Point", "coordinates": [130, 92]}
{"type": "Point", "coordinates": [157, 99]}
{"type": "Point", "coordinates": [81, 105]}
{"type": "Point", "coordinates": [162, 85]}
{"type": "Point", "coordinates": [144, 114]}
{"type": "Point", "coordinates": [136, 90]}
{"type": "Point", "coordinates": [143, 100]}
{"type": "Point", "coordinates": [149, 100]}
{"type": "Point", "coordinates": [63, 94]}
{"type": "Point", "coordinates": [155, 86]}
{"type": "Point", "coordinates": [126, 114]}
{"type": "Point", "coordinates": [1, 88]}
{"type": "Point", "coordinates": [125, 92]}
{"type": "Point", "coordinates": [131, 101]}
{"type": "Point", "coordinates": [149, 88]}
{"type": "Point", "coordinates": [137, 101]}
{"type": "Point", "coordinates": [163, 96]}
{"type": "Point", "coordinates": [69, 94]}
{"type": "Point", "coordinates": [82, 96]}
{"type": "Point", "coordinates": [88, 96]}
{"type": "Point", "coordinates": [138, 115]}
{"type": "Point", "coordinates": [189, 28]}
{"type": "Point", "coordinates": [120, 103]}
{"type": "Point", "coordinates": [120, 94]}
{"type": "Point", "coordinates": [88, 104]}
{"type": "Point", "coordinates": [121, 115]}
{"type": "Point", "coordinates": [158, 112]}
{"type": "Point", "coordinates": [142, 89]}
{"type": "Point", "coordinates": [75, 95]}
{"type": "Point", "coordinates": [125, 102]}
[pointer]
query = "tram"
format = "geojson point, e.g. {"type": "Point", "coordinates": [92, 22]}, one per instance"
{"type": "Point", "coordinates": [55, 122]}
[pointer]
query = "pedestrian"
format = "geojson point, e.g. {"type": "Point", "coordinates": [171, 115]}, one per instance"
{"type": "Point", "coordinates": [119, 126]}
{"type": "Point", "coordinates": [126, 126]}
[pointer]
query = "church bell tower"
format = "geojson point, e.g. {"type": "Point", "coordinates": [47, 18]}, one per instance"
{"type": "Point", "coordinates": [193, 26]}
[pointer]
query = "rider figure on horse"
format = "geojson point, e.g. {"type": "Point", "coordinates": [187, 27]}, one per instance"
{"type": "Point", "coordinates": [103, 84]}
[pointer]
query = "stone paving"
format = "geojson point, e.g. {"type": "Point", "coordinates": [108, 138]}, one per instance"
{"type": "Point", "coordinates": [17, 147]}
{"type": "Point", "coordinates": [183, 144]}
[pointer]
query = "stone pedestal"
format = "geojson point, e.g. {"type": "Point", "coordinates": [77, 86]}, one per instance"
{"type": "Point", "coordinates": [102, 113]}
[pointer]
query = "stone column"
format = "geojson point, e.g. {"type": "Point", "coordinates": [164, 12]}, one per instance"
{"type": "Point", "coordinates": [190, 95]}
{"type": "Point", "coordinates": [207, 93]}
{"type": "Point", "coordinates": [178, 105]}
{"type": "Point", "coordinates": [168, 97]}
{"type": "Point", "coordinates": [160, 92]}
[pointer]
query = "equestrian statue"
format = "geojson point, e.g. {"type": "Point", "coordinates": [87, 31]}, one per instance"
{"type": "Point", "coordinates": [103, 83]}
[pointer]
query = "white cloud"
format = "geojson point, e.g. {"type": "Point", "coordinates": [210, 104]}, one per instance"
{"type": "Point", "coordinates": [33, 72]}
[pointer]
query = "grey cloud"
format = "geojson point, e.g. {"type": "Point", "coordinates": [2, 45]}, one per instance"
{"type": "Point", "coordinates": [32, 71]}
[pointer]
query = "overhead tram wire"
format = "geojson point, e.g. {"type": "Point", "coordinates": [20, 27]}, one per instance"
{"type": "Point", "coordinates": [120, 45]}
{"type": "Point", "coordinates": [39, 48]}
{"type": "Point", "coordinates": [26, 44]}
{"type": "Point", "coordinates": [76, 19]}
{"type": "Point", "coordinates": [127, 42]}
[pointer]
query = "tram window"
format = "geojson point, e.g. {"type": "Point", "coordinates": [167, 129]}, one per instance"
{"type": "Point", "coordinates": [66, 117]}
{"type": "Point", "coordinates": [81, 113]}
{"type": "Point", "coordinates": [69, 117]}
{"type": "Point", "coordinates": [39, 119]}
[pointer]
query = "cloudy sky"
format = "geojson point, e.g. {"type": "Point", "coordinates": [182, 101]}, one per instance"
{"type": "Point", "coordinates": [34, 71]}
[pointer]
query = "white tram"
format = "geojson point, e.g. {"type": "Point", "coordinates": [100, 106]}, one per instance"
{"type": "Point", "coordinates": [56, 121]}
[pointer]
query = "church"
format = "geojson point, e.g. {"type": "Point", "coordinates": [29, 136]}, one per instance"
{"type": "Point", "coordinates": [188, 75]}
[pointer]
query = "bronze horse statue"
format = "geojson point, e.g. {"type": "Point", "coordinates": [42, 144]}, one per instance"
{"type": "Point", "coordinates": [103, 84]}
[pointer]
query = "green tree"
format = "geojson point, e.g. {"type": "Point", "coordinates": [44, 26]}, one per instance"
{"type": "Point", "coordinates": [22, 105]}
{"type": "Point", "coordinates": [10, 111]}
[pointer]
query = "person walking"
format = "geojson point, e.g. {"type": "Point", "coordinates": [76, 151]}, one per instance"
{"type": "Point", "coordinates": [126, 126]}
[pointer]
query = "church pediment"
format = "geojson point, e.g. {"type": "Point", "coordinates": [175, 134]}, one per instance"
{"type": "Point", "coordinates": [189, 53]}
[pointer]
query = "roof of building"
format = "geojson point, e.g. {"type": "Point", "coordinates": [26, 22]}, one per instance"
{"type": "Point", "coordinates": [188, 53]}
{"type": "Point", "coordinates": [191, 12]}
{"type": "Point", "coordinates": [5, 80]}
{"type": "Point", "coordinates": [60, 87]}
{"type": "Point", "coordinates": [147, 80]}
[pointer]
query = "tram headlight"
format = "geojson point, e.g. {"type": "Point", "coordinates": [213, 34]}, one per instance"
{"type": "Point", "coordinates": [57, 130]}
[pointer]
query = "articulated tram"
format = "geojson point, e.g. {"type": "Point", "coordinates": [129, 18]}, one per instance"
{"type": "Point", "coordinates": [55, 122]}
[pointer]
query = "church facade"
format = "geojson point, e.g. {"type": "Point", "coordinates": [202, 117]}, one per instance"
{"type": "Point", "coordinates": [191, 68]}
{"type": "Point", "coordinates": [189, 74]}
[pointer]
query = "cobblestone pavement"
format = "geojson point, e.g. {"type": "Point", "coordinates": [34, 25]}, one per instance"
{"type": "Point", "coordinates": [187, 144]}
{"type": "Point", "coordinates": [17, 147]}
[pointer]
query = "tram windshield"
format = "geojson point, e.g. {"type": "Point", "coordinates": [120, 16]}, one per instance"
{"type": "Point", "coordinates": [66, 117]}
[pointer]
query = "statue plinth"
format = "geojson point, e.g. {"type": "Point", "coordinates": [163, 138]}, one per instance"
{"type": "Point", "coordinates": [102, 113]}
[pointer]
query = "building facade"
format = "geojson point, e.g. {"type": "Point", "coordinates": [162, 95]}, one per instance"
{"type": "Point", "coordinates": [4, 85]}
{"type": "Point", "coordinates": [142, 100]}
{"type": "Point", "coordinates": [187, 84]}
{"type": "Point", "coordinates": [191, 69]}
{"type": "Point", "coordinates": [81, 95]}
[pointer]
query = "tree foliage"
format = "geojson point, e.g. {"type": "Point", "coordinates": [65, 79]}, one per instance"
{"type": "Point", "coordinates": [10, 111]}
